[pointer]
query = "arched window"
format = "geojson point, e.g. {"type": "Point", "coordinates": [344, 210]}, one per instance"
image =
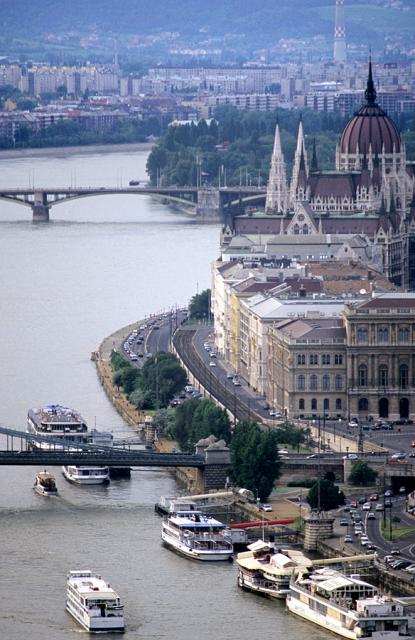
{"type": "Point", "coordinates": [325, 358]}
{"type": "Point", "coordinates": [338, 404]}
{"type": "Point", "coordinates": [313, 381]}
{"type": "Point", "coordinates": [313, 404]}
{"type": "Point", "coordinates": [301, 404]}
{"type": "Point", "coordinates": [362, 373]}
{"type": "Point", "coordinates": [326, 404]}
{"type": "Point", "coordinates": [301, 358]}
{"type": "Point", "coordinates": [338, 382]}
{"type": "Point", "coordinates": [403, 376]}
{"type": "Point", "coordinates": [305, 229]}
{"type": "Point", "coordinates": [338, 358]}
{"type": "Point", "coordinates": [296, 230]}
{"type": "Point", "coordinates": [326, 382]}
{"type": "Point", "coordinates": [313, 358]}
{"type": "Point", "coordinates": [301, 382]}
{"type": "Point", "coordinates": [403, 334]}
{"type": "Point", "coordinates": [383, 375]}
{"type": "Point", "coordinates": [363, 404]}
{"type": "Point", "coordinates": [362, 334]}
{"type": "Point", "coordinates": [383, 334]}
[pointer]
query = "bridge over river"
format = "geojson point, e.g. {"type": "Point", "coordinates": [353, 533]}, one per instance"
{"type": "Point", "coordinates": [210, 203]}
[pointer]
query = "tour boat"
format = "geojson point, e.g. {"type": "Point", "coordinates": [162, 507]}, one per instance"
{"type": "Point", "coordinates": [94, 603]}
{"type": "Point", "coordinates": [196, 535]}
{"type": "Point", "coordinates": [45, 484]}
{"type": "Point", "coordinates": [266, 571]}
{"type": "Point", "coordinates": [56, 422]}
{"type": "Point", "coordinates": [86, 475]}
{"type": "Point", "coordinates": [345, 605]}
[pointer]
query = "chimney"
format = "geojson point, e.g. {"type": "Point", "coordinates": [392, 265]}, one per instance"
{"type": "Point", "coordinates": [339, 34]}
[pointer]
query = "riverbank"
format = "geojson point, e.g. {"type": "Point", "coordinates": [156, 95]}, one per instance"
{"type": "Point", "coordinates": [61, 152]}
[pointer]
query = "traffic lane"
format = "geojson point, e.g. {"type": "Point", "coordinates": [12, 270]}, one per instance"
{"type": "Point", "coordinates": [397, 439]}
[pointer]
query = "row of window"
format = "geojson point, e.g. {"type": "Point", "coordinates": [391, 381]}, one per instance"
{"type": "Point", "coordinates": [314, 404]}
{"type": "Point", "coordinates": [313, 382]}
{"type": "Point", "coordinates": [383, 334]}
{"type": "Point", "coordinates": [325, 358]}
{"type": "Point", "coordinates": [383, 376]}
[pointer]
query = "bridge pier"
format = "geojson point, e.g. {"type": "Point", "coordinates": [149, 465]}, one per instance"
{"type": "Point", "coordinates": [40, 207]}
{"type": "Point", "coordinates": [209, 206]}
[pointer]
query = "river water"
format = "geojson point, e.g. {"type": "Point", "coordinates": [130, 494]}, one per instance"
{"type": "Point", "coordinates": [101, 263]}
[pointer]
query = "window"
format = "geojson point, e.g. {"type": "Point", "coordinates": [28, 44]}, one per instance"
{"type": "Point", "coordinates": [383, 375]}
{"type": "Point", "coordinates": [383, 334]}
{"type": "Point", "coordinates": [305, 229]}
{"type": "Point", "coordinates": [363, 404]}
{"type": "Point", "coordinates": [301, 382]}
{"type": "Point", "coordinates": [362, 373]}
{"type": "Point", "coordinates": [325, 358]}
{"type": "Point", "coordinates": [313, 381]}
{"type": "Point", "coordinates": [338, 358]}
{"type": "Point", "coordinates": [313, 404]}
{"type": "Point", "coordinates": [403, 334]}
{"type": "Point", "coordinates": [338, 382]}
{"type": "Point", "coordinates": [313, 358]}
{"type": "Point", "coordinates": [326, 404]}
{"type": "Point", "coordinates": [403, 376]}
{"type": "Point", "coordinates": [338, 404]}
{"type": "Point", "coordinates": [362, 334]}
{"type": "Point", "coordinates": [296, 230]}
{"type": "Point", "coordinates": [301, 358]}
{"type": "Point", "coordinates": [301, 404]}
{"type": "Point", "coordinates": [326, 382]}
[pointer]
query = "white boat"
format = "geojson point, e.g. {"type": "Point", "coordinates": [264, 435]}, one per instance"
{"type": "Point", "coordinates": [56, 422]}
{"type": "Point", "coordinates": [94, 603]}
{"type": "Point", "coordinates": [196, 535]}
{"type": "Point", "coordinates": [45, 484]}
{"type": "Point", "coordinates": [346, 605]}
{"type": "Point", "coordinates": [266, 571]}
{"type": "Point", "coordinates": [86, 475]}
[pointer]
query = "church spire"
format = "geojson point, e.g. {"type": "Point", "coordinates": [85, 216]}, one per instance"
{"type": "Point", "coordinates": [314, 163]}
{"type": "Point", "coordinates": [370, 93]}
{"type": "Point", "coordinates": [300, 164]}
{"type": "Point", "coordinates": [277, 191]}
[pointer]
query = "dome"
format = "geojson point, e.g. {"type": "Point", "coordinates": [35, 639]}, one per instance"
{"type": "Point", "coordinates": [370, 127]}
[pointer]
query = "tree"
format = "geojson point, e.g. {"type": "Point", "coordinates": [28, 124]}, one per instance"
{"type": "Point", "coordinates": [330, 496]}
{"type": "Point", "coordinates": [209, 419]}
{"type": "Point", "coordinates": [163, 420]}
{"type": "Point", "coordinates": [254, 459]}
{"type": "Point", "coordinates": [163, 377]}
{"type": "Point", "coordinates": [182, 428]}
{"type": "Point", "coordinates": [291, 435]}
{"type": "Point", "coordinates": [362, 474]}
{"type": "Point", "coordinates": [199, 307]}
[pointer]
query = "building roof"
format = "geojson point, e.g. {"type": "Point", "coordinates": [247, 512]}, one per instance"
{"type": "Point", "coordinates": [390, 301]}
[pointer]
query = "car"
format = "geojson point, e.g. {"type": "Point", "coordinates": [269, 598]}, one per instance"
{"type": "Point", "coordinates": [403, 421]}
{"type": "Point", "coordinates": [366, 506]}
{"type": "Point", "coordinates": [353, 424]}
{"type": "Point", "coordinates": [410, 569]}
{"type": "Point", "coordinates": [265, 507]}
{"type": "Point", "coordinates": [196, 394]}
{"type": "Point", "coordinates": [189, 388]}
{"type": "Point", "coordinates": [285, 451]}
{"type": "Point", "coordinates": [362, 500]}
{"type": "Point", "coordinates": [212, 364]}
{"type": "Point", "coordinates": [351, 456]}
{"type": "Point", "coordinates": [212, 354]}
{"type": "Point", "coordinates": [353, 504]}
{"type": "Point", "coordinates": [344, 522]}
{"type": "Point", "coordinates": [133, 357]}
{"type": "Point", "coordinates": [402, 564]}
{"type": "Point", "coordinates": [348, 538]}
{"type": "Point", "coordinates": [395, 551]}
{"type": "Point", "coordinates": [371, 515]}
{"type": "Point", "coordinates": [229, 375]}
{"type": "Point", "coordinates": [402, 490]}
{"type": "Point", "coordinates": [236, 382]}
{"type": "Point", "coordinates": [411, 455]}
{"type": "Point", "coordinates": [412, 443]}
{"type": "Point", "coordinates": [140, 355]}
{"type": "Point", "coordinates": [149, 355]}
{"type": "Point", "coordinates": [371, 546]}
{"type": "Point", "coordinates": [388, 502]}
{"type": "Point", "coordinates": [312, 455]}
{"type": "Point", "coordinates": [374, 497]}
{"type": "Point", "coordinates": [398, 456]}
{"type": "Point", "coordinates": [365, 542]}
{"type": "Point", "coordinates": [388, 493]}
{"type": "Point", "coordinates": [389, 559]}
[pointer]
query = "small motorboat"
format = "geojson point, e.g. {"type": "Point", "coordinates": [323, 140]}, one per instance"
{"type": "Point", "coordinates": [45, 484]}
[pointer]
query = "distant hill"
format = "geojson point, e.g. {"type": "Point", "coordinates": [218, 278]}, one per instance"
{"type": "Point", "coordinates": [261, 22]}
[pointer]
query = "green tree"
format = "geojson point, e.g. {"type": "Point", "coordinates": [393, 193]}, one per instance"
{"type": "Point", "coordinates": [182, 428]}
{"type": "Point", "coordinates": [199, 307]}
{"type": "Point", "coordinates": [209, 419]}
{"type": "Point", "coordinates": [330, 496]}
{"type": "Point", "coordinates": [163, 377]}
{"type": "Point", "coordinates": [362, 474]}
{"type": "Point", "coordinates": [141, 399]}
{"type": "Point", "coordinates": [163, 420]}
{"type": "Point", "coordinates": [254, 459]}
{"type": "Point", "coordinates": [291, 435]}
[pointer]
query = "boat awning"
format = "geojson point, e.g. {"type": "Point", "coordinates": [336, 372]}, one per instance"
{"type": "Point", "coordinates": [259, 545]}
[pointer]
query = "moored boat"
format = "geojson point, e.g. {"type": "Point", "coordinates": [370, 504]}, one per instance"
{"type": "Point", "coordinates": [57, 423]}
{"type": "Point", "coordinates": [267, 571]}
{"type": "Point", "coordinates": [196, 535]}
{"type": "Point", "coordinates": [45, 484]}
{"type": "Point", "coordinates": [94, 603]}
{"type": "Point", "coordinates": [86, 475]}
{"type": "Point", "coordinates": [345, 605]}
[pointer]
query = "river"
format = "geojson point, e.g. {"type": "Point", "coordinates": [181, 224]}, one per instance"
{"type": "Point", "coordinates": [101, 263]}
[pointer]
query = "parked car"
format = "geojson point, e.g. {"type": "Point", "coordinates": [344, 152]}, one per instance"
{"type": "Point", "coordinates": [344, 522]}
{"type": "Point", "coordinates": [212, 364]}
{"type": "Point", "coordinates": [366, 506]}
{"type": "Point", "coordinates": [404, 421]}
{"type": "Point", "coordinates": [265, 507]}
{"type": "Point", "coordinates": [236, 382]}
{"type": "Point", "coordinates": [371, 515]}
{"type": "Point", "coordinates": [353, 424]}
{"type": "Point", "coordinates": [398, 456]}
{"type": "Point", "coordinates": [348, 538]}
{"type": "Point", "coordinates": [229, 375]}
{"type": "Point", "coordinates": [351, 456]}
{"type": "Point", "coordinates": [395, 551]}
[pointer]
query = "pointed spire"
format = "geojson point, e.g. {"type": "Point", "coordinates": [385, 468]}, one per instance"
{"type": "Point", "coordinates": [314, 163]}
{"type": "Point", "coordinates": [300, 164]}
{"type": "Point", "coordinates": [370, 93]}
{"type": "Point", "coordinates": [277, 190]}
